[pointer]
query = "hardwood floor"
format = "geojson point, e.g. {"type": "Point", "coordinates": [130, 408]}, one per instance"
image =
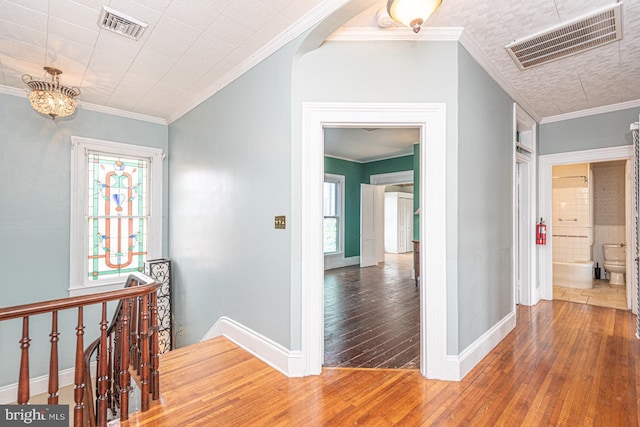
{"type": "Point", "coordinates": [372, 315]}
{"type": "Point", "coordinates": [565, 364]}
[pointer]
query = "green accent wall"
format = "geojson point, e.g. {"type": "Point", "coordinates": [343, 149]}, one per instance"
{"type": "Point", "coordinates": [356, 174]}
{"type": "Point", "coordinates": [397, 164]}
{"type": "Point", "coordinates": [353, 176]}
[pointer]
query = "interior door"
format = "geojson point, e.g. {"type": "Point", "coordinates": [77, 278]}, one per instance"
{"type": "Point", "coordinates": [371, 224]}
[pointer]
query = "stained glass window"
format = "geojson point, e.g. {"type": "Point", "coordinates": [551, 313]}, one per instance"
{"type": "Point", "coordinates": [118, 215]}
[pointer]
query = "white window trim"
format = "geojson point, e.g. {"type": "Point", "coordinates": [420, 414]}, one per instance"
{"type": "Point", "coordinates": [78, 235]}
{"type": "Point", "coordinates": [339, 179]}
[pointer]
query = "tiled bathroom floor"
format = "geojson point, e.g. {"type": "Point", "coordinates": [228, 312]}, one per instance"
{"type": "Point", "coordinates": [603, 294]}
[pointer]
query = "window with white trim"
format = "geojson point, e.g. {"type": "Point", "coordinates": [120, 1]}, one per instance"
{"type": "Point", "coordinates": [116, 212]}
{"type": "Point", "coordinates": [333, 211]}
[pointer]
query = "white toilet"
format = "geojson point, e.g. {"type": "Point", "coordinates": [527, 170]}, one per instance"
{"type": "Point", "coordinates": [615, 262]}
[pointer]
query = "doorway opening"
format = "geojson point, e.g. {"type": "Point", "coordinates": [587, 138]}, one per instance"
{"type": "Point", "coordinates": [371, 301]}
{"type": "Point", "coordinates": [431, 120]}
{"type": "Point", "coordinates": [555, 227]}
{"type": "Point", "coordinates": [589, 201]}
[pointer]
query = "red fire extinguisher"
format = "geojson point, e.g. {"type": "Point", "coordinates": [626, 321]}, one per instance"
{"type": "Point", "coordinates": [541, 233]}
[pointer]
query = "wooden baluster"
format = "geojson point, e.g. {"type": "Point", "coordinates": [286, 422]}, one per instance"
{"type": "Point", "coordinates": [53, 361]}
{"type": "Point", "coordinates": [23, 382]}
{"type": "Point", "coordinates": [110, 373]}
{"type": "Point", "coordinates": [101, 381]}
{"type": "Point", "coordinates": [78, 393]}
{"type": "Point", "coordinates": [134, 335]}
{"type": "Point", "coordinates": [124, 377]}
{"type": "Point", "coordinates": [144, 352]}
{"type": "Point", "coordinates": [155, 349]}
{"type": "Point", "coordinates": [117, 353]}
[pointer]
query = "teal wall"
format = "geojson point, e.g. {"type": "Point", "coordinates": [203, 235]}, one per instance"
{"type": "Point", "coordinates": [35, 156]}
{"type": "Point", "coordinates": [353, 176]}
{"type": "Point", "coordinates": [397, 164]}
{"type": "Point", "coordinates": [586, 133]}
{"type": "Point", "coordinates": [356, 174]}
{"type": "Point", "coordinates": [401, 164]}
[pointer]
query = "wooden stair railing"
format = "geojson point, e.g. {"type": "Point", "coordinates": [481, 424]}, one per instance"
{"type": "Point", "coordinates": [140, 293]}
{"type": "Point", "coordinates": [130, 340]}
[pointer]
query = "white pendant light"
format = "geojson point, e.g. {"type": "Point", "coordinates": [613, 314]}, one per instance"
{"type": "Point", "coordinates": [412, 13]}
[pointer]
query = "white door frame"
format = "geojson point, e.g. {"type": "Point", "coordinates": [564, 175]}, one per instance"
{"type": "Point", "coordinates": [546, 163]}
{"type": "Point", "coordinates": [431, 120]}
{"type": "Point", "coordinates": [525, 125]}
{"type": "Point", "coordinates": [524, 219]}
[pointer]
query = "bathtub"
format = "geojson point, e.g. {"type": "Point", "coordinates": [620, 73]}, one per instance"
{"type": "Point", "coordinates": [573, 274]}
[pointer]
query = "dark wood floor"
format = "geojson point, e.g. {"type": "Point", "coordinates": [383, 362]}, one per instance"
{"type": "Point", "coordinates": [372, 316]}
{"type": "Point", "coordinates": [565, 364]}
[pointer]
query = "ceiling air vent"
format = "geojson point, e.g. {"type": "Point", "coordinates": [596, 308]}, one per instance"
{"type": "Point", "coordinates": [121, 23]}
{"type": "Point", "coordinates": [597, 29]}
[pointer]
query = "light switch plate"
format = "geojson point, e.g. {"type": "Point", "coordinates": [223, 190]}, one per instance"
{"type": "Point", "coordinates": [280, 222]}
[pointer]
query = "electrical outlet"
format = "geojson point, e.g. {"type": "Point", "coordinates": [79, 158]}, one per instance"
{"type": "Point", "coordinates": [180, 332]}
{"type": "Point", "coordinates": [280, 222]}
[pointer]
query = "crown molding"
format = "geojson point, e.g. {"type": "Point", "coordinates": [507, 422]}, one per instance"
{"type": "Point", "coordinates": [315, 16]}
{"type": "Point", "coordinates": [122, 113]}
{"type": "Point", "coordinates": [8, 90]}
{"type": "Point", "coordinates": [396, 34]}
{"type": "Point", "coordinates": [591, 111]}
{"type": "Point", "coordinates": [22, 93]}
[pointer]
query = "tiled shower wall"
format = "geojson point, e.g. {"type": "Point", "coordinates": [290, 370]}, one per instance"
{"type": "Point", "coordinates": [572, 235]}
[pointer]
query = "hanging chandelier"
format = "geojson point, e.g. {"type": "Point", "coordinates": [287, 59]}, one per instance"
{"type": "Point", "coordinates": [50, 97]}
{"type": "Point", "coordinates": [412, 13]}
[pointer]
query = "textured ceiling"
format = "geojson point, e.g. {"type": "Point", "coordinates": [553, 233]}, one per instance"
{"type": "Point", "coordinates": [602, 76]}
{"type": "Point", "coordinates": [195, 46]}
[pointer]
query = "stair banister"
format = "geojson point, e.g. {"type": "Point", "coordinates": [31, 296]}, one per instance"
{"type": "Point", "coordinates": [138, 286]}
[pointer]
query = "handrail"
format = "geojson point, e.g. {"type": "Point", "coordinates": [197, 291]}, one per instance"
{"type": "Point", "coordinates": [18, 311]}
{"type": "Point", "coordinates": [142, 295]}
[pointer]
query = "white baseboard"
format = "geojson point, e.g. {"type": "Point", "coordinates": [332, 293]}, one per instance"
{"type": "Point", "coordinates": [39, 385]}
{"type": "Point", "coordinates": [275, 355]}
{"type": "Point", "coordinates": [460, 365]}
{"type": "Point", "coordinates": [331, 261]}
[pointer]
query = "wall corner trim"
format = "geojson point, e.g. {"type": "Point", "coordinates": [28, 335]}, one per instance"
{"type": "Point", "coordinates": [459, 366]}
{"type": "Point", "coordinates": [286, 361]}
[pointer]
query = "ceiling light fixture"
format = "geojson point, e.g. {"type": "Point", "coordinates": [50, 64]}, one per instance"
{"type": "Point", "coordinates": [412, 13]}
{"type": "Point", "coordinates": [50, 97]}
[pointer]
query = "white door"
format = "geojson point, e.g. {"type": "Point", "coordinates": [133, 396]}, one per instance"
{"type": "Point", "coordinates": [371, 224]}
